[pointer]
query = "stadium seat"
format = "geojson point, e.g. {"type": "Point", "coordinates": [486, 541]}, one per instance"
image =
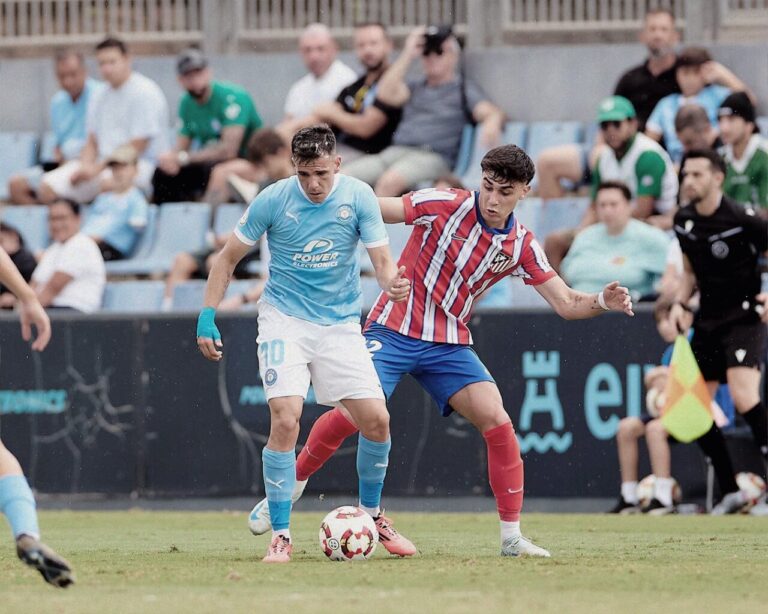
{"type": "Point", "coordinates": [543, 135]}
{"type": "Point", "coordinates": [498, 296]}
{"type": "Point", "coordinates": [514, 134]}
{"type": "Point", "coordinates": [133, 296]}
{"type": "Point", "coordinates": [525, 297]}
{"type": "Point", "coordinates": [465, 150]}
{"type": "Point", "coordinates": [188, 295]}
{"type": "Point", "coordinates": [762, 124]}
{"type": "Point", "coordinates": [18, 150]}
{"type": "Point", "coordinates": [560, 213]}
{"type": "Point", "coordinates": [371, 291]}
{"type": "Point", "coordinates": [225, 217]}
{"type": "Point", "coordinates": [527, 213]}
{"type": "Point", "coordinates": [591, 131]}
{"type": "Point", "coordinates": [47, 147]}
{"type": "Point", "coordinates": [180, 227]}
{"type": "Point", "coordinates": [31, 221]}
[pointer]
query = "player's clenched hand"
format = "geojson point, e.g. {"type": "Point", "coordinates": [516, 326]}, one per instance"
{"type": "Point", "coordinates": [617, 298]}
{"type": "Point", "coordinates": [208, 335]}
{"type": "Point", "coordinates": [33, 314]}
{"type": "Point", "coordinates": [762, 306]}
{"type": "Point", "coordinates": [399, 287]}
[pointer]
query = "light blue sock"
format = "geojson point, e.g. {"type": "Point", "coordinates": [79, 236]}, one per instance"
{"type": "Point", "coordinates": [18, 505]}
{"type": "Point", "coordinates": [279, 480]}
{"type": "Point", "coordinates": [372, 460]}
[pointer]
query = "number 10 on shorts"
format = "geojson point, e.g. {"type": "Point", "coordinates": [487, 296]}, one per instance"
{"type": "Point", "coordinates": [272, 353]}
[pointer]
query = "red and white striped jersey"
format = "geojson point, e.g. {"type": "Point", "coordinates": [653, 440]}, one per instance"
{"type": "Point", "coordinates": [452, 257]}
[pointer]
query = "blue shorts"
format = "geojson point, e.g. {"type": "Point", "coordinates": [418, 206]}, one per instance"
{"type": "Point", "coordinates": [442, 369]}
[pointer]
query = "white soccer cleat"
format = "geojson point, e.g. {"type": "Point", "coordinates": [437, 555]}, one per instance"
{"type": "Point", "coordinates": [522, 546]}
{"type": "Point", "coordinates": [259, 521]}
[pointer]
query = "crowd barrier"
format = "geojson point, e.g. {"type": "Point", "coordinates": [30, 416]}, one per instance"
{"type": "Point", "coordinates": [126, 405]}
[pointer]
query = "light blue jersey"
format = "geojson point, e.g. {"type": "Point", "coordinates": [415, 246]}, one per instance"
{"type": "Point", "coordinates": [314, 273]}
{"type": "Point", "coordinates": [118, 219]}
{"type": "Point", "coordinates": [67, 118]}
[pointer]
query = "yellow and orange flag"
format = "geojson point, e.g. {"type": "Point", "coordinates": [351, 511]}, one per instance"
{"type": "Point", "coordinates": [687, 411]}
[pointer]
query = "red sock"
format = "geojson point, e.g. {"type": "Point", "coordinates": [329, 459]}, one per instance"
{"type": "Point", "coordinates": [505, 470]}
{"type": "Point", "coordinates": [328, 433]}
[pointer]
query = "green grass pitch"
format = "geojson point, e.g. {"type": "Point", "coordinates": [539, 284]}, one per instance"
{"type": "Point", "coordinates": [139, 561]}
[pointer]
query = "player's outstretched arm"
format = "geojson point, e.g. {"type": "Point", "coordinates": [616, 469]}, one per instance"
{"type": "Point", "coordinates": [574, 305]}
{"type": "Point", "coordinates": [391, 279]}
{"type": "Point", "coordinates": [208, 335]}
{"type": "Point", "coordinates": [31, 311]}
{"type": "Point", "coordinates": [392, 209]}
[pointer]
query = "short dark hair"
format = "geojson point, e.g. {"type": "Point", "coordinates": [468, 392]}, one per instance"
{"type": "Point", "coordinates": [112, 43]}
{"type": "Point", "coordinates": [65, 54]}
{"type": "Point", "coordinates": [615, 185]}
{"type": "Point", "coordinates": [691, 116]}
{"type": "Point", "coordinates": [508, 163]}
{"type": "Point", "coordinates": [73, 205]}
{"type": "Point", "coordinates": [715, 159]}
{"type": "Point", "coordinates": [693, 56]}
{"type": "Point", "coordinates": [660, 11]}
{"type": "Point", "coordinates": [372, 24]}
{"type": "Point", "coordinates": [313, 142]}
{"type": "Point", "coordinates": [12, 230]}
{"type": "Point", "coordinates": [264, 142]}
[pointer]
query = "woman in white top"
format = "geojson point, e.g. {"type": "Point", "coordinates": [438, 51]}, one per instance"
{"type": "Point", "coordinates": [71, 273]}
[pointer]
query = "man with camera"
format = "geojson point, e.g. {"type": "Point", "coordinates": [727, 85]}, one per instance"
{"type": "Point", "coordinates": [435, 108]}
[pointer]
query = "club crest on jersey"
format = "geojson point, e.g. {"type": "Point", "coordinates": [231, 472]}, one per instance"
{"type": "Point", "coordinates": [270, 377]}
{"type": "Point", "coordinates": [316, 254]}
{"type": "Point", "coordinates": [720, 250]}
{"type": "Point", "coordinates": [501, 262]}
{"type": "Point", "coordinates": [344, 213]}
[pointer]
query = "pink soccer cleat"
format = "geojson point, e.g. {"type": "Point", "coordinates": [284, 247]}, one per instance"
{"type": "Point", "coordinates": [279, 550]}
{"type": "Point", "coordinates": [392, 540]}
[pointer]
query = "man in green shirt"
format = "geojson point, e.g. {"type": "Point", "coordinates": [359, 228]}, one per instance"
{"type": "Point", "coordinates": [745, 152]}
{"type": "Point", "coordinates": [217, 119]}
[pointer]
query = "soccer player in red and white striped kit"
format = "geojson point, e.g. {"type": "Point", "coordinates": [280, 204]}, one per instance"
{"type": "Point", "coordinates": [462, 243]}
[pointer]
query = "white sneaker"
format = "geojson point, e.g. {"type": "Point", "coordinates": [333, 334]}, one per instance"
{"type": "Point", "coordinates": [522, 546]}
{"type": "Point", "coordinates": [259, 521]}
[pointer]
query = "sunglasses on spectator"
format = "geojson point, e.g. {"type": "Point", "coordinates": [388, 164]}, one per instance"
{"type": "Point", "coordinates": [611, 124]}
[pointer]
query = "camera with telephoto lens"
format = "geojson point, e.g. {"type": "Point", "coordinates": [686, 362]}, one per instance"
{"type": "Point", "coordinates": [434, 37]}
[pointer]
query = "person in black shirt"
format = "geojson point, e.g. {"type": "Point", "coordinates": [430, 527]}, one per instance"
{"type": "Point", "coordinates": [721, 242]}
{"type": "Point", "coordinates": [362, 123]}
{"type": "Point", "coordinates": [13, 243]}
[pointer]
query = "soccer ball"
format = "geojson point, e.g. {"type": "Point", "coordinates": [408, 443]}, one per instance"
{"type": "Point", "coordinates": [751, 484]}
{"type": "Point", "coordinates": [645, 489]}
{"type": "Point", "coordinates": [348, 534]}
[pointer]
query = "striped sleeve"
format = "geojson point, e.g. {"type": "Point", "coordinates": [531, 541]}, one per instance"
{"type": "Point", "coordinates": [533, 267]}
{"type": "Point", "coordinates": [431, 202]}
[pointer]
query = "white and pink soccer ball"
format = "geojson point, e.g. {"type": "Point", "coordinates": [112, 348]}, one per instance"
{"type": "Point", "coordinates": [752, 485]}
{"type": "Point", "coordinates": [348, 534]}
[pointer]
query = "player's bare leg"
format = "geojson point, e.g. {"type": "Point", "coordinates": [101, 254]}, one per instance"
{"type": "Point", "coordinates": [373, 447]}
{"type": "Point", "coordinates": [279, 463]}
{"type": "Point", "coordinates": [661, 465]}
{"type": "Point", "coordinates": [481, 404]}
{"type": "Point", "coordinates": [18, 505]}
{"type": "Point", "coordinates": [627, 435]}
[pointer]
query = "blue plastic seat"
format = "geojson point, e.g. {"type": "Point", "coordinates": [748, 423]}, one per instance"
{"type": "Point", "coordinates": [542, 135]}
{"type": "Point", "coordinates": [527, 213]}
{"type": "Point", "coordinates": [226, 217]}
{"type": "Point", "coordinates": [525, 297]}
{"type": "Point", "coordinates": [31, 221]}
{"type": "Point", "coordinates": [47, 147]}
{"type": "Point", "coordinates": [371, 292]}
{"type": "Point", "coordinates": [133, 296]}
{"type": "Point", "coordinates": [465, 150]}
{"type": "Point", "coordinates": [514, 134]}
{"type": "Point", "coordinates": [762, 124]}
{"type": "Point", "coordinates": [559, 214]}
{"type": "Point", "coordinates": [18, 150]}
{"type": "Point", "coordinates": [180, 227]}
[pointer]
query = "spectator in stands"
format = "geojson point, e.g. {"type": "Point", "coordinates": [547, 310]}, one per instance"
{"type": "Point", "coordinates": [13, 243]}
{"type": "Point", "coordinates": [435, 109]}
{"type": "Point", "coordinates": [616, 247]}
{"type": "Point", "coordinates": [643, 86]}
{"type": "Point", "coordinates": [217, 116]}
{"type": "Point", "coordinates": [118, 217]}
{"type": "Point", "coordinates": [745, 153]}
{"type": "Point", "coordinates": [634, 159]}
{"type": "Point", "coordinates": [694, 130]}
{"type": "Point", "coordinates": [71, 274]}
{"type": "Point", "coordinates": [363, 124]}
{"type": "Point", "coordinates": [327, 74]}
{"type": "Point", "coordinates": [268, 158]}
{"type": "Point", "coordinates": [67, 122]}
{"type": "Point", "coordinates": [131, 110]}
{"type": "Point", "coordinates": [701, 80]}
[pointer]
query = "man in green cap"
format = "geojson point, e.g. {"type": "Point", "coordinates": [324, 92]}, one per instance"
{"type": "Point", "coordinates": [634, 159]}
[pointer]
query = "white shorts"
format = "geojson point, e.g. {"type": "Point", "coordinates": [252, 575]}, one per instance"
{"type": "Point", "coordinates": [293, 352]}
{"type": "Point", "coordinates": [60, 181]}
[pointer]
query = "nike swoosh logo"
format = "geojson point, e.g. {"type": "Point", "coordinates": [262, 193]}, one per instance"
{"type": "Point", "coordinates": [381, 465]}
{"type": "Point", "coordinates": [514, 492]}
{"type": "Point", "coordinates": [278, 484]}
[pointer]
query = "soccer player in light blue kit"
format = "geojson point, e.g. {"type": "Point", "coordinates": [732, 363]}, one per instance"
{"type": "Point", "coordinates": [309, 316]}
{"type": "Point", "coordinates": [16, 499]}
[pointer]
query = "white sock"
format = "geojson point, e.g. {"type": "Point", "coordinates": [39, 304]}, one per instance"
{"type": "Point", "coordinates": [284, 532]}
{"type": "Point", "coordinates": [509, 529]}
{"type": "Point", "coordinates": [373, 511]}
{"type": "Point", "coordinates": [662, 490]}
{"type": "Point", "coordinates": [629, 492]}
